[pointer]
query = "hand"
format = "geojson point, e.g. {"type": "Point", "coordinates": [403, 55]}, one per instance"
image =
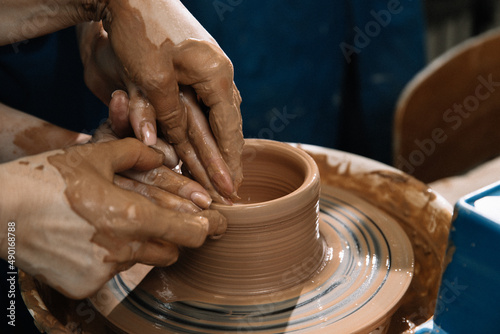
{"type": "Point", "coordinates": [75, 229]}
{"type": "Point", "coordinates": [161, 45]}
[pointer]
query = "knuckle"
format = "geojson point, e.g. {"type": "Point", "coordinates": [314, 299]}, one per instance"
{"type": "Point", "coordinates": [157, 80]}
{"type": "Point", "coordinates": [173, 117]}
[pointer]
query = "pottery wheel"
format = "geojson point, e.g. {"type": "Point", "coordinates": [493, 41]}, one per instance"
{"type": "Point", "coordinates": [368, 269]}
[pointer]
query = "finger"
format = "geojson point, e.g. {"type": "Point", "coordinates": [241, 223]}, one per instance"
{"type": "Point", "coordinates": [142, 116]}
{"type": "Point", "coordinates": [156, 195]}
{"type": "Point", "coordinates": [101, 70]}
{"type": "Point", "coordinates": [204, 143]}
{"type": "Point", "coordinates": [119, 114]}
{"type": "Point", "coordinates": [171, 159]}
{"type": "Point", "coordinates": [121, 216]}
{"type": "Point", "coordinates": [120, 124]}
{"type": "Point", "coordinates": [206, 68]}
{"type": "Point", "coordinates": [172, 118]}
{"type": "Point", "coordinates": [225, 122]}
{"type": "Point", "coordinates": [157, 253]}
{"type": "Point", "coordinates": [172, 182]}
{"type": "Point", "coordinates": [170, 111]}
{"type": "Point", "coordinates": [218, 223]}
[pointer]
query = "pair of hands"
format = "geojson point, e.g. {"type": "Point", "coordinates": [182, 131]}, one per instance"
{"type": "Point", "coordinates": [85, 229]}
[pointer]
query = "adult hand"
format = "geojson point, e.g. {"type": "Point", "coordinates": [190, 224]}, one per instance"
{"type": "Point", "coordinates": [75, 229]}
{"type": "Point", "coordinates": [161, 46]}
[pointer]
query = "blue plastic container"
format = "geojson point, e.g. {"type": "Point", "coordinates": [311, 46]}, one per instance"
{"type": "Point", "coordinates": [469, 294]}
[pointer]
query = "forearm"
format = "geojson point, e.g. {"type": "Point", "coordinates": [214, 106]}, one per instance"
{"type": "Point", "coordinates": [22, 134]}
{"type": "Point", "coordinates": [24, 19]}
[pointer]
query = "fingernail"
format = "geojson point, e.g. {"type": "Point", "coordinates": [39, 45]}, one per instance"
{"type": "Point", "coordinates": [217, 198]}
{"type": "Point", "coordinates": [148, 134]}
{"type": "Point", "coordinates": [201, 199]}
{"type": "Point", "coordinates": [119, 92]}
{"type": "Point", "coordinates": [227, 201]}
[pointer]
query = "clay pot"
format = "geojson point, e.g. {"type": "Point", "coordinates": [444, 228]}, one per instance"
{"type": "Point", "coordinates": [272, 228]}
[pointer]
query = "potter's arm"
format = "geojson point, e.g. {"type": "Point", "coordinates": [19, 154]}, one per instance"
{"type": "Point", "coordinates": [22, 134]}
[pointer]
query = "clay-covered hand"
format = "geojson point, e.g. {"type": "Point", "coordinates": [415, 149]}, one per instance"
{"type": "Point", "coordinates": [199, 163]}
{"type": "Point", "coordinates": [75, 229]}
{"type": "Point", "coordinates": [161, 46]}
{"type": "Point", "coordinates": [162, 185]}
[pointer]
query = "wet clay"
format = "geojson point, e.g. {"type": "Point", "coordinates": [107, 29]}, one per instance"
{"type": "Point", "coordinates": [56, 314]}
{"type": "Point", "coordinates": [424, 215]}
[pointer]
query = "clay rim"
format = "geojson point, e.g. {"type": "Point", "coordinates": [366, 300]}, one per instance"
{"type": "Point", "coordinates": [309, 167]}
